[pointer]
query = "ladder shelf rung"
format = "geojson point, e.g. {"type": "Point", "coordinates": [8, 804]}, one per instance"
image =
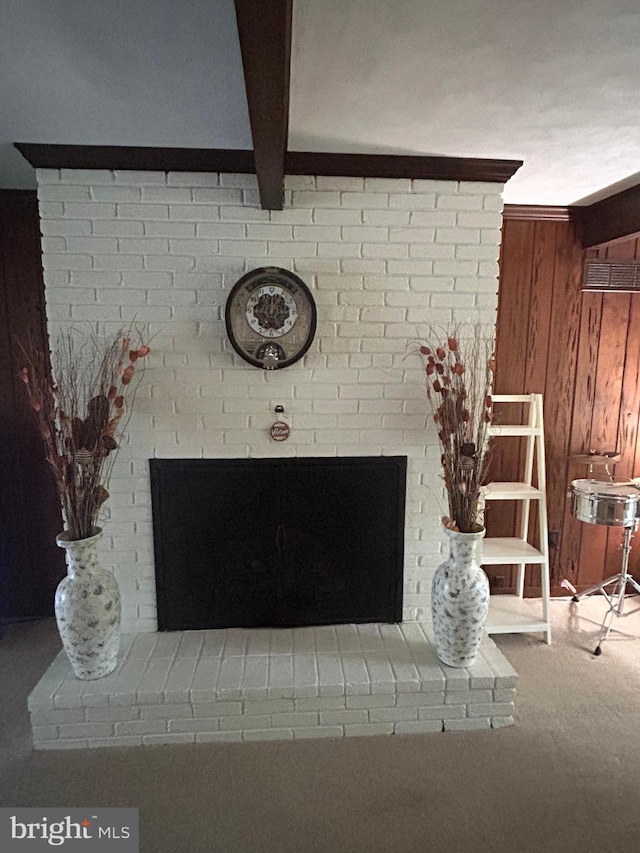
{"type": "Point", "coordinates": [509, 614]}
{"type": "Point", "coordinates": [510, 550]}
{"type": "Point", "coordinates": [513, 398]}
{"type": "Point", "coordinates": [511, 492]}
{"type": "Point", "coordinates": [513, 430]}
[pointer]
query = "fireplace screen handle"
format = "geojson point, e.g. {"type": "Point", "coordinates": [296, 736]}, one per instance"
{"type": "Point", "coordinates": [281, 537]}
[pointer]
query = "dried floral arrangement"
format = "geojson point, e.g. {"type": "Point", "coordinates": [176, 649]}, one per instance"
{"type": "Point", "coordinates": [459, 366]}
{"type": "Point", "coordinates": [81, 406]}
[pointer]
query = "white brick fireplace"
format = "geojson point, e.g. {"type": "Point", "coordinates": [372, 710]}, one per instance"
{"type": "Point", "coordinates": [383, 258]}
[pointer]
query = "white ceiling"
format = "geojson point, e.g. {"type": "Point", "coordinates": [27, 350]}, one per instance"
{"type": "Point", "coordinates": [117, 72]}
{"type": "Point", "coordinates": [550, 82]}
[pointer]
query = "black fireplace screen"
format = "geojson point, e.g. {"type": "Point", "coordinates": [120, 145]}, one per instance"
{"type": "Point", "coordinates": [278, 542]}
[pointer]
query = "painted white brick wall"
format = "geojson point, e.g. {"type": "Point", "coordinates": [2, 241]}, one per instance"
{"type": "Point", "coordinates": [383, 258]}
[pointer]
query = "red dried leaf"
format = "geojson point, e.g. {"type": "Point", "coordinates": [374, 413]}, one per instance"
{"type": "Point", "coordinates": [102, 495]}
{"type": "Point", "coordinates": [112, 426]}
{"type": "Point", "coordinates": [23, 375]}
{"type": "Point", "coordinates": [440, 352]}
{"type": "Point", "coordinates": [108, 444]}
{"type": "Point", "coordinates": [119, 402]}
{"type": "Point", "coordinates": [112, 392]}
{"type": "Point", "coordinates": [458, 368]}
{"type": "Point", "coordinates": [436, 385]}
{"type": "Point", "coordinates": [35, 404]}
{"type": "Point", "coordinates": [143, 350]}
{"type": "Point", "coordinates": [133, 355]}
{"type": "Point", "coordinates": [453, 344]}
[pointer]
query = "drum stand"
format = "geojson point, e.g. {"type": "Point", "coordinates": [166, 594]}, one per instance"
{"type": "Point", "coordinates": [616, 597]}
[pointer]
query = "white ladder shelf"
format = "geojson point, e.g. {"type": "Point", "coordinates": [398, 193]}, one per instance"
{"type": "Point", "coordinates": [511, 614]}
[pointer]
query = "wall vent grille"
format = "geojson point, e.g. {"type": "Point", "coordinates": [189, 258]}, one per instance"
{"type": "Point", "coordinates": [605, 275]}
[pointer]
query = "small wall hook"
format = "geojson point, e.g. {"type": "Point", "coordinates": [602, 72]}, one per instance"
{"type": "Point", "coordinates": [279, 410]}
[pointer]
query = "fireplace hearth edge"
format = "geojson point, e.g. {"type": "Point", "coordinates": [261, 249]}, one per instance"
{"type": "Point", "coordinates": [243, 685]}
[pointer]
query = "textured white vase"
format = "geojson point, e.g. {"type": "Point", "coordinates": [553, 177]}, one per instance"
{"type": "Point", "coordinates": [460, 600]}
{"type": "Point", "coordinates": [87, 607]}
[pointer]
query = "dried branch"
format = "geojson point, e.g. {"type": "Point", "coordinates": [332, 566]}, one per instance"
{"type": "Point", "coordinates": [459, 365]}
{"type": "Point", "coordinates": [81, 410]}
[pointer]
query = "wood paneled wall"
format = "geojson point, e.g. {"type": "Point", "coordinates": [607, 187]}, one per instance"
{"type": "Point", "coordinates": [607, 404]}
{"type": "Point", "coordinates": [30, 563]}
{"type": "Point", "coordinates": [582, 352]}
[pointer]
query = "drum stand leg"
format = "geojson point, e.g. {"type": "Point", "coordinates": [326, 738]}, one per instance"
{"type": "Point", "coordinates": [616, 598]}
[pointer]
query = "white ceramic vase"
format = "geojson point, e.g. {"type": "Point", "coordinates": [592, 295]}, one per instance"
{"type": "Point", "coordinates": [460, 600]}
{"type": "Point", "coordinates": [87, 607]}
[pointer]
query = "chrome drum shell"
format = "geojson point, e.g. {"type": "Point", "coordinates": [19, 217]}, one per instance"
{"type": "Point", "coordinates": [611, 504]}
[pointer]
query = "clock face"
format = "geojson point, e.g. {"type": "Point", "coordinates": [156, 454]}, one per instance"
{"type": "Point", "coordinates": [271, 311]}
{"type": "Point", "coordinates": [270, 317]}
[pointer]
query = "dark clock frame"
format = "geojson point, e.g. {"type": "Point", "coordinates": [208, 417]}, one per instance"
{"type": "Point", "coordinates": [281, 278]}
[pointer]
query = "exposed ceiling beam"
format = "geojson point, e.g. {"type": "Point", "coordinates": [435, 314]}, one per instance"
{"type": "Point", "coordinates": [264, 27]}
{"type": "Point", "coordinates": [139, 158]}
{"type": "Point", "coordinates": [613, 218]}
{"type": "Point", "coordinates": [400, 166]}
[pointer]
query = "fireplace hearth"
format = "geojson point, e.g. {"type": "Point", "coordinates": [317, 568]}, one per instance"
{"type": "Point", "coordinates": [275, 543]}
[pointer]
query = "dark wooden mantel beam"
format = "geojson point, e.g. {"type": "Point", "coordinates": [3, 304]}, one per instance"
{"type": "Point", "coordinates": [400, 166]}
{"type": "Point", "coordinates": [264, 27]}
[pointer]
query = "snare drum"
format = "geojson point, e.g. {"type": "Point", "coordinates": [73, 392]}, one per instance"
{"type": "Point", "coordinates": [613, 504]}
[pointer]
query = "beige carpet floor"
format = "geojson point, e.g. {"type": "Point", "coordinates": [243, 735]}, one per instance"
{"type": "Point", "coordinates": [565, 778]}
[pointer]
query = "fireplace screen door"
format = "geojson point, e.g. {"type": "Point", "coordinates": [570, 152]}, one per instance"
{"type": "Point", "coordinates": [278, 542]}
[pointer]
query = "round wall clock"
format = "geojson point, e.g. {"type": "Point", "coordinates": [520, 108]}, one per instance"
{"type": "Point", "coordinates": [270, 317]}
